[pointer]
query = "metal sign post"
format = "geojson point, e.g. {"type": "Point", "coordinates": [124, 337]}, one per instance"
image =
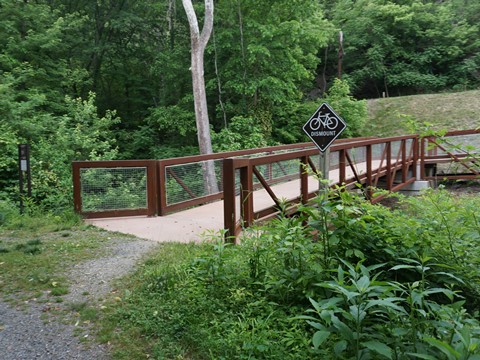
{"type": "Point", "coordinates": [323, 128]}
{"type": "Point", "coordinates": [24, 172]}
{"type": "Point", "coordinates": [324, 167]}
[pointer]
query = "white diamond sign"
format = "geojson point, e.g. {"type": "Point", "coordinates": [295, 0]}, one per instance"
{"type": "Point", "coordinates": [324, 127]}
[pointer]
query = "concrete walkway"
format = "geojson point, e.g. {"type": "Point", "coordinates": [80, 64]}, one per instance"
{"type": "Point", "coordinates": [195, 224]}
{"type": "Point", "coordinates": [185, 226]}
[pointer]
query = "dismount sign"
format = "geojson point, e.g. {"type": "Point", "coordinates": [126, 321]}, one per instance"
{"type": "Point", "coordinates": [324, 127]}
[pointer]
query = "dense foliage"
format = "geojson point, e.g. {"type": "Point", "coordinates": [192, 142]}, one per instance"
{"type": "Point", "coordinates": [267, 64]}
{"type": "Point", "coordinates": [358, 281]}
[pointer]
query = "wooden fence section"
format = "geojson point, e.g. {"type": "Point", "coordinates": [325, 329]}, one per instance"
{"type": "Point", "coordinates": [166, 169]}
{"type": "Point", "coordinates": [115, 188]}
{"type": "Point", "coordinates": [457, 154]}
{"type": "Point", "coordinates": [155, 191]}
{"type": "Point", "coordinates": [159, 187]}
{"type": "Point", "coordinates": [393, 160]}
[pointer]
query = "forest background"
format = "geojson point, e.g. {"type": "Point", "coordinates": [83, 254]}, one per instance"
{"type": "Point", "coordinates": [88, 80]}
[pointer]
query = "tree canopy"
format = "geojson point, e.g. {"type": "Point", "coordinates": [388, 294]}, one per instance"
{"type": "Point", "coordinates": [112, 78]}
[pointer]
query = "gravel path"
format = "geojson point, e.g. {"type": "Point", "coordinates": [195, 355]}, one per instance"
{"type": "Point", "coordinates": [33, 331]}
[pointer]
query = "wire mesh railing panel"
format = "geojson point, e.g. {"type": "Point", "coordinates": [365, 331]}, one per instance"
{"type": "Point", "coordinates": [457, 145]}
{"type": "Point", "coordinates": [265, 171]}
{"type": "Point", "coordinates": [287, 168]}
{"type": "Point", "coordinates": [409, 145]}
{"type": "Point", "coordinates": [395, 150]}
{"type": "Point", "coordinates": [464, 147]}
{"type": "Point", "coordinates": [278, 174]}
{"type": "Point", "coordinates": [358, 154]}
{"type": "Point", "coordinates": [188, 181]}
{"type": "Point", "coordinates": [104, 189]}
{"type": "Point", "coordinates": [378, 152]}
{"type": "Point", "coordinates": [315, 159]}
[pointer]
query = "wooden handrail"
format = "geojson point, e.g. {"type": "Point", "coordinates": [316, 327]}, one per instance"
{"type": "Point", "coordinates": [411, 153]}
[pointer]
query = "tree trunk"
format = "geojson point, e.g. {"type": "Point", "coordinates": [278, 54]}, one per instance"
{"type": "Point", "coordinates": [198, 43]}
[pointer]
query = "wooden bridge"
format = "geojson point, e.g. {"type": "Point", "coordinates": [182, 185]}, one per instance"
{"type": "Point", "coordinates": [255, 183]}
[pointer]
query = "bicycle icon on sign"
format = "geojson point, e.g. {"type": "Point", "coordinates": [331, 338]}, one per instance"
{"type": "Point", "coordinates": [327, 121]}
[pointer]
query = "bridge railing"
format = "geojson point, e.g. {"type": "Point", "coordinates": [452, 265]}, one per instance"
{"type": "Point", "coordinates": [158, 187]}
{"type": "Point", "coordinates": [151, 187]}
{"type": "Point", "coordinates": [181, 182]}
{"type": "Point", "coordinates": [115, 188]}
{"type": "Point", "coordinates": [364, 162]}
{"type": "Point", "coordinates": [455, 155]}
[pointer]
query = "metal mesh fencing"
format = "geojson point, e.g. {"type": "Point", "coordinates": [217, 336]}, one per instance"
{"type": "Point", "coordinates": [459, 145]}
{"type": "Point", "coordinates": [187, 181]}
{"type": "Point", "coordinates": [395, 149]}
{"type": "Point", "coordinates": [358, 155]}
{"type": "Point", "coordinates": [378, 152]}
{"type": "Point", "coordinates": [279, 171]}
{"type": "Point", "coordinates": [113, 188]}
{"type": "Point", "coordinates": [467, 147]}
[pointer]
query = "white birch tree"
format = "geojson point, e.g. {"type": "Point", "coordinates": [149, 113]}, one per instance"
{"type": "Point", "coordinates": [199, 41]}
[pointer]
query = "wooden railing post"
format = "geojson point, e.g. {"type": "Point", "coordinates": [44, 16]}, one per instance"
{"type": "Point", "coordinates": [388, 148]}
{"type": "Point", "coordinates": [416, 151]}
{"type": "Point", "coordinates": [403, 145]}
{"type": "Point", "coordinates": [246, 195]}
{"type": "Point", "coordinates": [77, 188]}
{"type": "Point", "coordinates": [152, 188]}
{"type": "Point", "coordinates": [369, 181]}
{"type": "Point", "coordinates": [229, 207]}
{"type": "Point", "coordinates": [161, 188]}
{"type": "Point", "coordinates": [304, 179]}
{"type": "Point", "coordinates": [342, 164]}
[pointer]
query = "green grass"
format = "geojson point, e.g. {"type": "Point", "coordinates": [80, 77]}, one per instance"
{"type": "Point", "coordinates": [120, 324]}
{"type": "Point", "coordinates": [451, 111]}
{"type": "Point", "coordinates": [36, 250]}
{"type": "Point", "coordinates": [405, 269]}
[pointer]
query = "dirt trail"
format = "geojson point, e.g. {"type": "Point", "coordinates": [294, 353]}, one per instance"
{"type": "Point", "coordinates": [48, 331]}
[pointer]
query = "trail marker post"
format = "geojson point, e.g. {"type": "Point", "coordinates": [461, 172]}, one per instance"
{"type": "Point", "coordinates": [24, 172]}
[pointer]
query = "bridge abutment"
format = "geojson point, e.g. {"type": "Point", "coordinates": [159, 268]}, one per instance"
{"type": "Point", "coordinates": [416, 187]}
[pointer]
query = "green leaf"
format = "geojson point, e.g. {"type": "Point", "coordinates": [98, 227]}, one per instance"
{"type": "Point", "coordinates": [388, 302]}
{"type": "Point", "coordinates": [342, 328]}
{"type": "Point", "coordinates": [319, 337]}
{"type": "Point", "coordinates": [315, 304]}
{"type": "Point", "coordinates": [449, 351]}
{"type": "Point", "coordinates": [375, 267]}
{"type": "Point", "coordinates": [379, 348]}
{"type": "Point", "coordinates": [303, 317]}
{"type": "Point", "coordinates": [446, 292]}
{"type": "Point", "coordinates": [358, 253]}
{"type": "Point", "coordinates": [363, 283]}
{"type": "Point", "coordinates": [399, 267]}
{"type": "Point", "coordinates": [449, 275]}
{"type": "Point", "coordinates": [317, 325]}
{"type": "Point", "coordinates": [422, 356]}
{"type": "Point", "coordinates": [340, 347]}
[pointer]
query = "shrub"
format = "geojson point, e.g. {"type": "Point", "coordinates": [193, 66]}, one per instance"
{"type": "Point", "coordinates": [342, 279]}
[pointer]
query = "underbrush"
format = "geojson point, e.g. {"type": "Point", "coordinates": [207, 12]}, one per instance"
{"type": "Point", "coordinates": [344, 280]}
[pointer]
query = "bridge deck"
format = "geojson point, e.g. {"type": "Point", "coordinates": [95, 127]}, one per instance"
{"type": "Point", "coordinates": [404, 159]}
{"type": "Point", "coordinates": [193, 224]}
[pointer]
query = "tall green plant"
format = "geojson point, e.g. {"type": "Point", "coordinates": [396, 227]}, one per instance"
{"type": "Point", "coordinates": [364, 317]}
{"type": "Point", "coordinates": [353, 111]}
